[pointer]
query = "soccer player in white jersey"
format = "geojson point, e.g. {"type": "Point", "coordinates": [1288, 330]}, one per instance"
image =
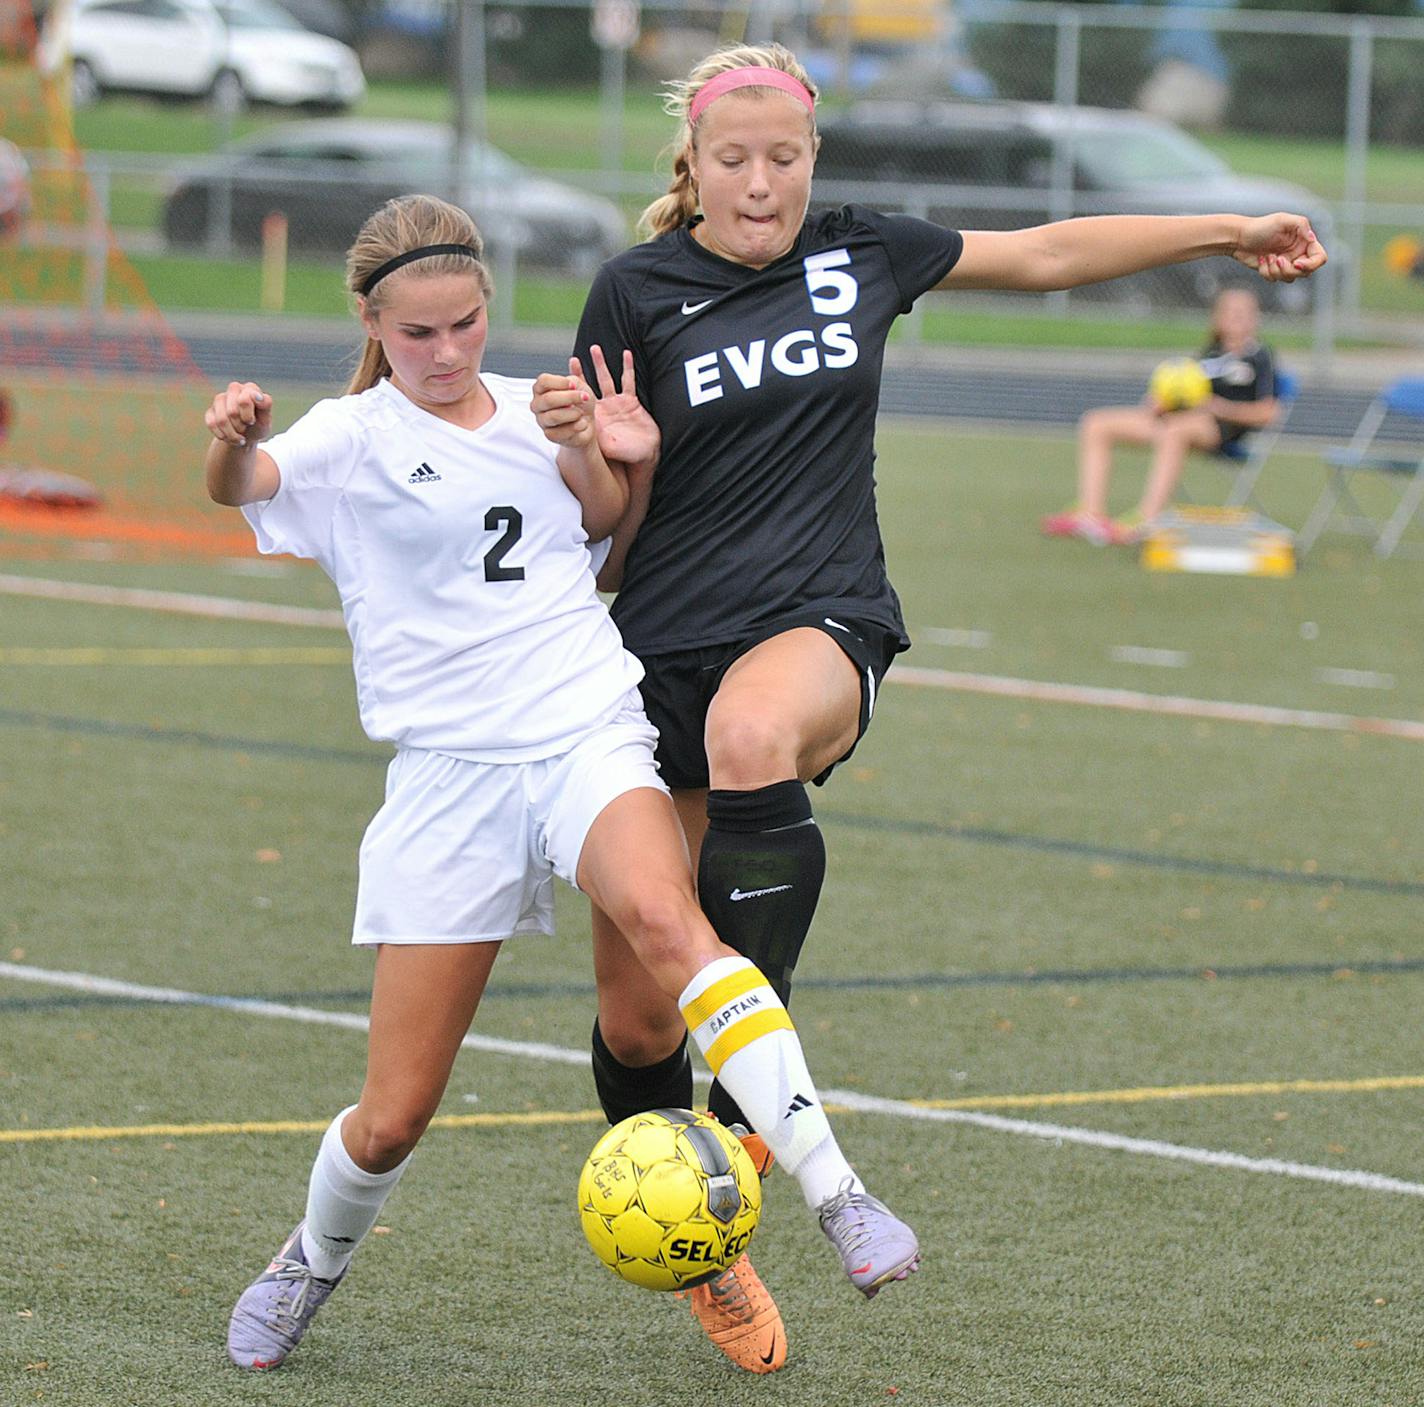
{"type": "Point", "coordinates": [750, 570]}
{"type": "Point", "coordinates": [454, 514]}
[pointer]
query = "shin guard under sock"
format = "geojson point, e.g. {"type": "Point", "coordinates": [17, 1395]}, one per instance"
{"type": "Point", "coordinates": [625, 1090]}
{"type": "Point", "coordinates": [748, 1040]}
{"type": "Point", "coordinates": [343, 1202]}
{"type": "Point", "coordinates": [759, 878]}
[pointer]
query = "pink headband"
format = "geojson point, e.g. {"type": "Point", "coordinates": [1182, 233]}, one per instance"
{"type": "Point", "coordinates": [735, 78]}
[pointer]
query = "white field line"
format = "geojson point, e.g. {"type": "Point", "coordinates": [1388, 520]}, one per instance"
{"type": "Point", "coordinates": [262, 566]}
{"type": "Point", "coordinates": [88, 656]}
{"type": "Point", "coordinates": [1134, 701]}
{"type": "Point", "coordinates": [1121, 1143]}
{"type": "Point", "coordinates": [1355, 678]}
{"type": "Point", "coordinates": [957, 637]}
{"type": "Point", "coordinates": [849, 1099]}
{"type": "Point", "coordinates": [248, 1006]}
{"type": "Point", "coordinates": [1038, 691]}
{"type": "Point", "coordinates": [1145, 654]}
{"type": "Point", "coordinates": [181, 603]}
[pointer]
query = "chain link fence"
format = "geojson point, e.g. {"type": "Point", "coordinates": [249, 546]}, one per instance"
{"type": "Point", "coordinates": [992, 114]}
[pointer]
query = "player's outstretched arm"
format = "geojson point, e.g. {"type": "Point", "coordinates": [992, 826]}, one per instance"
{"type": "Point", "coordinates": [1071, 253]}
{"type": "Point", "coordinates": [237, 471]}
{"type": "Point", "coordinates": [563, 406]}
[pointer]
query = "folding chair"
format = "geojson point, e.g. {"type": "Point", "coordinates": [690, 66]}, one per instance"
{"type": "Point", "coordinates": [1246, 457]}
{"type": "Point", "coordinates": [1399, 406]}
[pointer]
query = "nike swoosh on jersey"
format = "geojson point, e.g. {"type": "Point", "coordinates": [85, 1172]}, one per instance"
{"type": "Point", "coordinates": [689, 308]}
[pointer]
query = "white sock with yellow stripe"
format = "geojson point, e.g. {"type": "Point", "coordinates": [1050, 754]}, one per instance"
{"type": "Point", "coordinates": [746, 1036]}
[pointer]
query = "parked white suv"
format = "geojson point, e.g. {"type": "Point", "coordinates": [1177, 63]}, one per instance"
{"type": "Point", "coordinates": [235, 50]}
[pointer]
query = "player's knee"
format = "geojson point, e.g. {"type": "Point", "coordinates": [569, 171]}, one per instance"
{"type": "Point", "coordinates": [748, 749]}
{"type": "Point", "coordinates": [1094, 424]}
{"type": "Point", "coordinates": [662, 921]}
{"type": "Point", "coordinates": [388, 1136]}
{"type": "Point", "coordinates": [638, 1037]}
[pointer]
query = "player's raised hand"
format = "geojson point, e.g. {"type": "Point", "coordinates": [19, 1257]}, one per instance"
{"type": "Point", "coordinates": [563, 406]}
{"type": "Point", "coordinates": [241, 415]}
{"type": "Point", "coordinates": [626, 432]}
{"type": "Point", "coordinates": [1280, 247]}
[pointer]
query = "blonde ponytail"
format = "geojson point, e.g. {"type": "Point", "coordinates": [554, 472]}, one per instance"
{"type": "Point", "coordinates": [372, 367]}
{"type": "Point", "coordinates": [677, 207]}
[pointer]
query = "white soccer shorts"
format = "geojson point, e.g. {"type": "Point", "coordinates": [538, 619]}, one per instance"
{"type": "Point", "coordinates": [466, 852]}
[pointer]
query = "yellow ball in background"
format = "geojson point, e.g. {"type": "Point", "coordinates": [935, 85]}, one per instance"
{"type": "Point", "coordinates": [1179, 384]}
{"type": "Point", "coordinates": [1404, 255]}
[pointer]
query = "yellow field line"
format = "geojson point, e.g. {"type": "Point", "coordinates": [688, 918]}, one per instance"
{"type": "Point", "coordinates": [99, 1133]}
{"type": "Point", "coordinates": [1163, 1092]}
{"type": "Point", "coordinates": [143, 655]}
{"type": "Point", "coordinates": [1372, 1085]}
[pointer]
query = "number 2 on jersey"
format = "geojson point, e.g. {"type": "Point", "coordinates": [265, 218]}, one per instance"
{"type": "Point", "coordinates": [512, 520]}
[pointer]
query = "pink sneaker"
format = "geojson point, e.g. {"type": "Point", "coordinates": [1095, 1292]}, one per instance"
{"type": "Point", "coordinates": [1077, 522]}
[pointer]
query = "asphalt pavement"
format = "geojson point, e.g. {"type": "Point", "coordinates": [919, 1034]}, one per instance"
{"type": "Point", "coordinates": [1013, 386]}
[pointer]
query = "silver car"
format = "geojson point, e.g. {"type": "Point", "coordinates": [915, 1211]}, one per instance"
{"type": "Point", "coordinates": [326, 176]}
{"type": "Point", "coordinates": [991, 165]}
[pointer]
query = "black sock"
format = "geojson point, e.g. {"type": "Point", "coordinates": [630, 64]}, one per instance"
{"type": "Point", "coordinates": [625, 1090]}
{"type": "Point", "coordinates": [763, 862]}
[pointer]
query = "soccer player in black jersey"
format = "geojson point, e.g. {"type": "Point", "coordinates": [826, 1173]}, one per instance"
{"type": "Point", "coordinates": [749, 566]}
{"type": "Point", "coordinates": [1243, 398]}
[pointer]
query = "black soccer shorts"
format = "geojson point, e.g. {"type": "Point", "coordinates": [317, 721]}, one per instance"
{"type": "Point", "coordinates": [678, 687]}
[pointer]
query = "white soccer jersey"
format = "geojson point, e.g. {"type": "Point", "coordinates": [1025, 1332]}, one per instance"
{"type": "Point", "coordinates": [464, 572]}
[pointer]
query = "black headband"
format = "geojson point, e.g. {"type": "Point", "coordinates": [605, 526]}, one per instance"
{"type": "Point", "coordinates": [426, 251]}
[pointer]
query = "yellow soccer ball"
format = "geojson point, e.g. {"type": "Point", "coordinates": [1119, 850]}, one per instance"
{"type": "Point", "coordinates": [668, 1199]}
{"type": "Point", "coordinates": [1179, 384]}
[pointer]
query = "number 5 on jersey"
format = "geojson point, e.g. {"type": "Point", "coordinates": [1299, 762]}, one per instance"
{"type": "Point", "coordinates": [512, 521]}
{"type": "Point", "coordinates": [831, 293]}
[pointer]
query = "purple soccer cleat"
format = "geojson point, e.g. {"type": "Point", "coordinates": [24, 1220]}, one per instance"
{"type": "Point", "coordinates": [274, 1311]}
{"type": "Point", "coordinates": [874, 1245]}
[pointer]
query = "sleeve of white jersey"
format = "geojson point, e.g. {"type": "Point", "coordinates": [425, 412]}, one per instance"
{"type": "Point", "coordinates": [314, 458]}
{"type": "Point", "coordinates": [598, 553]}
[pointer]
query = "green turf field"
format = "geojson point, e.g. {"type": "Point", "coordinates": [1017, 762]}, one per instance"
{"type": "Point", "coordinates": [1168, 938]}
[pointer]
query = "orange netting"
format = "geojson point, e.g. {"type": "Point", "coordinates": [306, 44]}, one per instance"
{"type": "Point", "coordinates": [96, 384]}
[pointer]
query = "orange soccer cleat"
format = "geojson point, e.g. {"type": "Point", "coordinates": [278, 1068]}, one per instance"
{"type": "Point", "coordinates": [735, 1309]}
{"type": "Point", "coordinates": [738, 1314]}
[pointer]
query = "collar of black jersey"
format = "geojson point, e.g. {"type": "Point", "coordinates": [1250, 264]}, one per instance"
{"type": "Point", "coordinates": [715, 260]}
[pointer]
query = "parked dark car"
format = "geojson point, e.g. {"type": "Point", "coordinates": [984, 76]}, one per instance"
{"type": "Point", "coordinates": [991, 166]}
{"type": "Point", "coordinates": [327, 176]}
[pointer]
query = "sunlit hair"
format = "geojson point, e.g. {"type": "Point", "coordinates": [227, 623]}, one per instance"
{"type": "Point", "coordinates": [679, 205]}
{"type": "Point", "coordinates": [400, 225]}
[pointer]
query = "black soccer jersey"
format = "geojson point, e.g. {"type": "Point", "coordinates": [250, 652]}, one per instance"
{"type": "Point", "coordinates": [765, 384]}
{"type": "Point", "coordinates": [1249, 376]}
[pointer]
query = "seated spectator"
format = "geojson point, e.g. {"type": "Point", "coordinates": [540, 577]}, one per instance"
{"type": "Point", "coordinates": [1242, 399]}
{"type": "Point", "coordinates": [14, 188]}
